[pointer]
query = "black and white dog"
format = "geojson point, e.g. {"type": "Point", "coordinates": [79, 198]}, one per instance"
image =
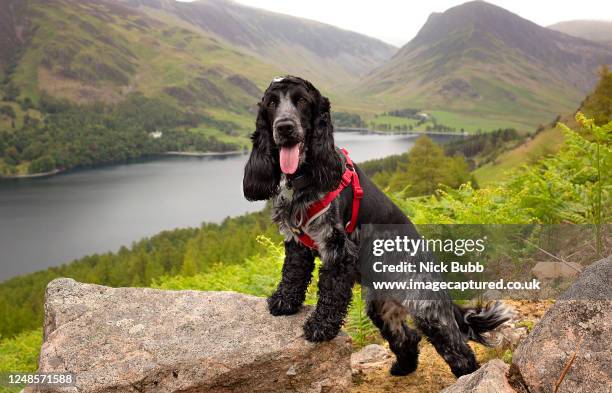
{"type": "Point", "coordinates": [295, 163]}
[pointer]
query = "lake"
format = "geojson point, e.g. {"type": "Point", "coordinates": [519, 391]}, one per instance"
{"type": "Point", "coordinates": [50, 221]}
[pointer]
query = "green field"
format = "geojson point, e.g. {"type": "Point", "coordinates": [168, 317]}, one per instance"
{"type": "Point", "coordinates": [472, 122]}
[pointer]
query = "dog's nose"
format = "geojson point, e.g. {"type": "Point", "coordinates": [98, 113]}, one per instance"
{"type": "Point", "coordinates": [285, 127]}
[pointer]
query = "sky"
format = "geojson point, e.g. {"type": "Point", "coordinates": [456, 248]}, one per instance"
{"type": "Point", "coordinates": [397, 21]}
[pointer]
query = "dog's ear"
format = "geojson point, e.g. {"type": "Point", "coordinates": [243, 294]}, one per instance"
{"type": "Point", "coordinates": [325, 162]}
{"type": "Point", "coordinates": [262, 170]}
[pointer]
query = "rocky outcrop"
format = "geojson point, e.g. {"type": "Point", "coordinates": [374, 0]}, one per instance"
{"type": "Point", "coordinates": [146, 340]}
{"type": "Point", "coordinates": [570, 346]}
{"type": "Point", "coordinates": [490, 378]}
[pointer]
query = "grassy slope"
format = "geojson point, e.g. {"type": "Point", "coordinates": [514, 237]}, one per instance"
{"type": "Point", "coordinates": [85, 53]}
{"type": "Point", "coordinates": [544, 143]}
{"type": "Point", "coordinates": [475, 63]}
{"type": "Point", "coordinates": [503, 102]}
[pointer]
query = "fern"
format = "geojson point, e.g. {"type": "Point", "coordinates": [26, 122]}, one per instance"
{"type": "Point", "coordinates": [358, 324]}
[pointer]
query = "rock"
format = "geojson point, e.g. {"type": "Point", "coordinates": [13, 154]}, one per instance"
{"type": "Point", "coordinates": [147, 340]}
{"type": "Point", "coordinates": [508, 335]}
{"type": "Point", "coordinates": [490, 378]}
{"type": "Point", "coordinates": [552, 270]}
{"type": "Point", "coordinates": [593, 284]}
{"type": "Point", "coordinates": [580, 323]}
{"type": "Point", "coordinates": [370, 357]}
{"type": "Point", "coordinates": [370, 354]}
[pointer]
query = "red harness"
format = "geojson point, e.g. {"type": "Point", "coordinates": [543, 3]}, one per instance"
{"type": "Point", "coordinates": [317, 208]}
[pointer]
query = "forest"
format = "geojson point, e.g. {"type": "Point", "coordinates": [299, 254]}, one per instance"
{"type": "Point", "coordinates": [69, 136]}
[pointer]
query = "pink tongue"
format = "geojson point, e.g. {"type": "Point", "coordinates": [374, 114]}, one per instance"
{"type": "Point", "coordinates": [289, 159]}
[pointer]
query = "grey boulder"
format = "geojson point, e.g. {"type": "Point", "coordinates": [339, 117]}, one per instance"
{"type": "Point", "coordinates": [147, 340]}
{"type": "Point", "coordinates": [579, 327]}
{"type": "Point", "coordinates": [490, 378]}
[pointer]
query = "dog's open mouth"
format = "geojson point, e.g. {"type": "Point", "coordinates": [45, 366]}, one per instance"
{"type": "Point", "coordinates": [290, 158]}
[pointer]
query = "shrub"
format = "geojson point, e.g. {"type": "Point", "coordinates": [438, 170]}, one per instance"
{"type": "Point", "coordinates": [42, 164]}
{"type": "Point", "coordinates": [21, 352]}
{"type": "Point", "coordinates": [8, 110]}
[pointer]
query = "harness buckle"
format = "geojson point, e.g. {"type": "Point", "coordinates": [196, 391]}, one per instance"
{"type": "Point", "coordinates": [358, 191]}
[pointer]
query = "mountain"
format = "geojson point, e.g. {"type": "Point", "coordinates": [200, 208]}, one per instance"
{"type": "Point", "coordinates": [313, 49]}
{"type": "Point", "coordinates": [214, 57]}
{"type": "Point", "coordinates": [483, 60]}
{"type": "Point", "coordinates": [101, 50]}
{"type": "Point", "coordinates": [594, 30]}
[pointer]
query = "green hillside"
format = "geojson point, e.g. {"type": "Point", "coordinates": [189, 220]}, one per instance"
{"type": "Point", "coordinates": [85, 83]}
{"type": "Point", "coordinates": [210, 56]}
{"type": "Point", "coordinates": [544, 143]}
{"type": "Point", "coordinates": [480, 61]}
{"type": "Point", "coordinates": [88, 52]}
{"type": "Point", "coordinates": [548, 139]}
{"type": "Point", "coordinates": [328, 56]}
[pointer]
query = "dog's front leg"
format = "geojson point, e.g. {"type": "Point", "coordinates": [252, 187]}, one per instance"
{"type": "Point", "coordinates": [336, 278]}
{"type": "Point", "coordinates": [296, 275]}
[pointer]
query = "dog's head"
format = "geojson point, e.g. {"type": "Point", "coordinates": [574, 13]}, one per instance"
{"type": "Point", "coordinates": [293, 135]}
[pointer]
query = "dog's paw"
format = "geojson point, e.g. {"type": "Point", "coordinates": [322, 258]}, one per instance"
{"type": "Point", "coordinates": [317, 331]}
{"type": "Point", "coordinates": [277, 305]}
{"type": "Point", "coordinates": [465, 368]}
{"type": "Point", "coordinates": [402, 369]}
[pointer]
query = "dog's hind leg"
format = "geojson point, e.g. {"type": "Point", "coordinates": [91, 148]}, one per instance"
{"type": "Point", "coordinates": [437, 321]}
{"type": "Point", "coordinates": [390, 318]}
{"type": "Point", "coordinates": [296, 275]}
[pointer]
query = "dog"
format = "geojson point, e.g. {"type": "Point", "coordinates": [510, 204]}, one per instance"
{"type": "Point", "coordinates": [294, 162]}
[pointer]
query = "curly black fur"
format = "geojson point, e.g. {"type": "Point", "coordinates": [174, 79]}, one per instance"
{"type": "Point", "coordinates": [262, 172]}
{"type": "Point", "coordinates": [403, 341]}
{"type": "Point", "coordinates": [295, 101]}
{"type": "Point", "coordinates": [296, 275]}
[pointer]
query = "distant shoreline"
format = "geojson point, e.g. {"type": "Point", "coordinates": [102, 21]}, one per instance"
{"type": "Point", "coordinates": [393, 132]}
{"type": "Point", "coordinates": [168, 153]}
{"type": "Point", "coordinates": [203, 153]}
{"type": "Point", "coordinates": [32, 175]}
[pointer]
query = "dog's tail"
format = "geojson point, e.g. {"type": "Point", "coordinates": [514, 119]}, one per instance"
{"type": "Point", "coordinates": [474, 321]}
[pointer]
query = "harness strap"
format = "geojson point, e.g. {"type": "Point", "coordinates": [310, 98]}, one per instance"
{"type": "Point", "coordinates": [319, 207]}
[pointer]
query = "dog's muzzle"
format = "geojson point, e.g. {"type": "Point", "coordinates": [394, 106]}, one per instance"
{"type": "Point", "coordinates": [286, 132]}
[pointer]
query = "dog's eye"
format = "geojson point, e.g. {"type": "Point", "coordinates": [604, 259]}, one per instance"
{"type": "Point", "coordinates": [272, 104]}
{"type": "Point", "coordinates": [302, 101]}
